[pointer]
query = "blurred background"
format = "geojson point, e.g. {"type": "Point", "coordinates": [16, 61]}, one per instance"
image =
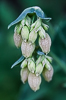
{"type": "Point", "coordinates": [11, 87]}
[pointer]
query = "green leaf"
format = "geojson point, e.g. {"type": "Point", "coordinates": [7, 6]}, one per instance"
{"type": "Point", "coordinates": [34, 9]}
{"type": "Point", "coordinates": [18, 61]}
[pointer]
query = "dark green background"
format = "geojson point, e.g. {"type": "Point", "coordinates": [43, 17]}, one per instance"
{"type": "Point", "coordinates": [11, 87]}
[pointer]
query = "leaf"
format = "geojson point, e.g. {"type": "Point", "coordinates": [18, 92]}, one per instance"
{"type": "Point", "coordinates": [40, 53]}
{"type": "Point", "coordinates": [34, 9]}
{"type": "Point", "coordinates": [18, 61]}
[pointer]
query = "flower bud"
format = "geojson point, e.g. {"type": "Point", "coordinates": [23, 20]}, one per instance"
{"type": "Point", "coordinates": [28, 21]}
{"type": "Point", "coordinates": [27, 49]}
{"type": "Point", "coordinates": [18, 28]}
{"type": "Point", "coordinates": [45, 43]}
{"type": "Point", "coordinates": [48, 58]}
{"type": "Point", "coordinates": [31, 65]}
{"type": "Point", "coordinates": [23, 22]}
{"type": "Point", "coordinates": [25, 33]}
{"type": "Point", "coordinates": [47, 74]}
{"type": "Point", "coordinates": [45, 26]}
{"type": "Point", "coordinates": [24, 74]}
{"type": "Point", "coordinates": [24, 63]}
{"type": "Point", "coordinates": [36, 25]}
{"type": "Point", "coordinates": [17, 40]}
{"type": "Point", "coordinates": [39, 69]}
{"type": "Point", "coordinates": [42, 33]}
{"type": "Point", "coordinates": [39, 60]}
{"type": "Point", "coordinates": [32, 36]}
{"type": "Point", "coordinates": [47, 64]}
{"type": "Point", "coordinates": [34, 81]}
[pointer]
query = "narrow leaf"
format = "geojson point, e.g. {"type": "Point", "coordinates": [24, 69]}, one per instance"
{"type": "Point", "coordinates": [17, 62]}
{"type": "Point", "coordinates": [35, 9]}
{"type": "Point", "coordinates": [40, 53]}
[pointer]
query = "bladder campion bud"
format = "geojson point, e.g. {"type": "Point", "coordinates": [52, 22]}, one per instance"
{"type": "Point", "coordinates": [17, 40]}
{"type": "Point", "coordinates": [45, 44]}
{"type": "Point", "coordinates": [31, 65]}
{"type": "Point", "coordinates": [34, 81]}
{"type": "Point", "coordinates": [48, 58]}
{"type": "Point", "coordinates": [28, 21]}
{"type": "Point", "coordinates": [47, 64]}
{"type": "Point", "coordinates": [25, 33]}
{"type": "Point", "coordinates": [24, 63]}
{"type": "Point", "coordinates": [47, 74]}
{"type": "Point", "coordinates": [42, 33]}
{"type": "Point", "coordinates": [18, 28]}
{"type": "Point", "coordinates": [45, 26]}
{"type": "Point", "coordinates": [24, 74]}
{"type": "Point", "coordinates": [39, 69]}
{"type": "Point", "coordinates": [27, 49]}
{"type": "Point", "coordinates": [32, 36]}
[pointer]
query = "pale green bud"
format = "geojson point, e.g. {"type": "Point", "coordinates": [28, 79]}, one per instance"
{"type": "Point", "coordinates": [45, 26]}
{"type": "Point", "coordinates": [24, 63]}
{"type": "Point", "coordinates": [43, 62]}
{"type": "Point", "coordinates": [47, 64]}
{"type": "Point", "coordinates": [39, 60]}
{"type": "Point", "coordinates": [23, 22]}
{"type": "Point", "coordinates": [28, 21]}
{"type": "Point", "coordinates": [31, 65]}
{"type": "Point", "coordinates": [39, 69]}
{"type": "Point", "coordinates": [18, 28]}
{"type": "Point", "coordinates": [36, 25]}
{"type": "Point", "coordinates": [24, 74]}
{"type": "Point", "coordinates": [34, 81]}
{"type": "Point", "coordinates": [32, 36]}
{"type": "Point", "coordinates": [48, 74]}
{"type": "Point", "coordinates": [48, 58]}
{"type": "Point", "coordinates": [25, 33]}
{"type": "Point", "coordinates": [42, 32]}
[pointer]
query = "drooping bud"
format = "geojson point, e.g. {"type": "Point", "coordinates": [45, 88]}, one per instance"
{"type": "Point", "coordinates": [47, 74]}
{"type": "Point", "coordinates": [45, 43]}
{"type": "Point", "coordinates": [39, 60]}
{"type": "Point", "coordinates": [17, 40]}
{"type": "Point", "coordinates": [31, 65]}
{"type": "Point", "coordinates": [34, 81]}
{"type": "Point", "coordinates": [45, 26]}
{"type": "Point", "coordinates": [24, 74]}
{"type": "Point", "coordinates": [18, 28]}
{"type": "Point", "coordinates": [23, 22]}
{"type": "Point", "coordinates": [48, 58]}
{"type": "Point", "coordinates": [25, 33]}
{"type": "Point", "coordinates": [32, 36]}
{"type": "Point", "coordinates": [39, 69]}
{"type": "Point", "coordinates": [47, 64]}
{"type": "Point", "coordinates": [36, 25]}
{"type": "Point", "coordinates": [27, 49]}
{"type": "Point", "coordinates": [24, 63]}
{"type": "Point", "coordinates": [42, 32]}
{"type": "Point", "coordinates": [28, 21]}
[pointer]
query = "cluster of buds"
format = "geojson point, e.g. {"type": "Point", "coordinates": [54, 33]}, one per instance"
{"type": "Point", "coordinates": [25, 35]}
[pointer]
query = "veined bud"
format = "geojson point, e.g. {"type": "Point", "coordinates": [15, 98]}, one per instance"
{"type": "Point", "coordinates": [32, 36]}
{"type": "Point", "coordinates": [42, 32]}
{"type": "Point", "coordinates": [25, 33]}
{"type": "Point", "coordinates": [24, 63]}
{"type": "Point", "coordinates": [47, 64]}
{"type": "Point", "coordinates": [36, 25]}
{"type": "Point", "coordinates": [24, 74]}
{"type": "Point", "coordinates": [28, 21]}
{"type": "Point", "coordinates": [23, 22]}
{"type": "Point", "coordinates": [34, 81]}
{"type": "Point", "coordinates": [17, 40]}
{"type": "Point", "coordinates": [45, 26]}
{"type": "Point", "coordinates": [48, 58]}
{"type": "Point", "coordinates": [47, 74]}
{"type": "Point", "coordinates": [18, 28]}
{"type": "Point", "coordinates": [27, 49]}
{"type": "Point", "coordinates": [39, 69]}
{"type": "Point", "coordinates": [31, 65]}
{"type": "Point", "coordinates": [45, 44]}
{"type": "Point", "coordinates": [39, 60]}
